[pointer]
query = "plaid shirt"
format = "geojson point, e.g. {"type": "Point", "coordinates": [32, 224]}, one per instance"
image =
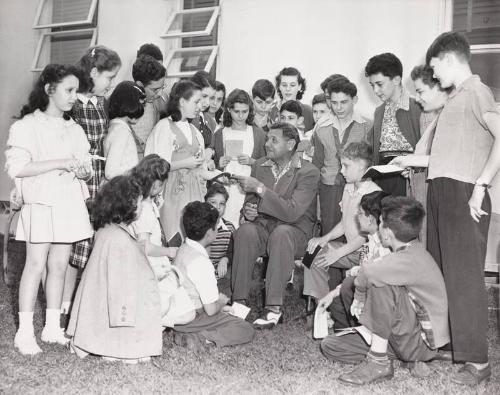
{"type": "Point", "coordinates": [90, 114]}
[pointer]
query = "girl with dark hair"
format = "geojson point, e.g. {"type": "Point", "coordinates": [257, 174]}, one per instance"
{"type": "Point", "coordinates": [216, 109]}
{"type": "Point", "coordinates": [181, 144]}
{"type": "Point", "coordinates": [291, 86]}
{"type": "Point", "coordinates": [122, 147]}
{"type": "Point", "coordinates": [176, 307]}
{"type": "Point", "coordinates": [47, 155]}
{"type": "Point", "coordinates": [237, 146]}
{"type": "Point", "coordinates": [205, 124]}
{"type": "Point", "coordinates": [117, 307]}
{"type": "Point", "coordinates": [98, 66]}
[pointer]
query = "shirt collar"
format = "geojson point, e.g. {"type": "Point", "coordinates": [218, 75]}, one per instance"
{"type": "Point", "coordinates": [85, 99]}
{"type": "Point", "coordinates": [222, 225]}
{"type": "Point", "coordinates": [355, 118]}
{"type": "Point", "coordinates": [362, 189]}
{"type": "Point", "coordinates": [467, 84]}
{"type": "Point", "coordinates": [296, 163]}
{"type": "Point", "coordinates": [196, 246]}
{"type": "Point", "coordinates": [374, 238]}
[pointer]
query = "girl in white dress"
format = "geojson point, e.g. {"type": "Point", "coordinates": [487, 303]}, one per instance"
{"type": "Point", "coordinates": [121, 145]}
{"type": "Point", "coordinates": [47, 155]}
{"type": "Point", "coordinates": [237, 146]}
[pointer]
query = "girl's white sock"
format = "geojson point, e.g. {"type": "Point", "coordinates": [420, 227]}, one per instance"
{"type": "Point", "coordinates": [53, 318]}
{"type": "Point", "coordinates": [26, 322]}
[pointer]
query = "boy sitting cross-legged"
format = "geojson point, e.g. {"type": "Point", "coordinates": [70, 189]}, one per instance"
{"type": "Point", "coordinates": [337, 256]}
{"type": "Point", "coordinates": [400, 299]}
{"type": "Point", "coordinates": [212, 323]}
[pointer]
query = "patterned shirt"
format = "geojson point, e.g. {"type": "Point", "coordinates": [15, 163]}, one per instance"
{"type": "Point", "coordinates": [89, 113]}
{"type": "Point", "coordinates": [222, 246]}
{"type": "Point", "coordinates": [391, 138]}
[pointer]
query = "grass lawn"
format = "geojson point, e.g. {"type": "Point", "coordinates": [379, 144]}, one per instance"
{"type": "Point", "coordinates": [283, 360]}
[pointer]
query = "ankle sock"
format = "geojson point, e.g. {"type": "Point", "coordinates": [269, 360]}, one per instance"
{"type": "Point", "coordinates": [65, 307]}
{"type": "Point", "coordinates": [53, 319]}
{"type": "Point", "coordinates": [26, 322]}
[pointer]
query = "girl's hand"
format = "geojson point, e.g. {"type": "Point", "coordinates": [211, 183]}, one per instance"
{"type": "Point", "coordinates": [475, 203]}
{"type": "Point", "coordinates": [399, 161]}
{"type": "Point", "coordinates": [192, 162]}
{"type": "Point", "coordinates": [210, 165]}
{"type": "Point", "coordinates": [222, 267]}
{"type": "Point", "coordinates": [245, 160]}
{"type": "Point", "coordinates": [223, 161]}
{"type": "Point", "coordinates": [172, 252]}
{"type": "Point", "coordinates": [314, 242]}
{"type": "Point", "coordinates": [68, 164]}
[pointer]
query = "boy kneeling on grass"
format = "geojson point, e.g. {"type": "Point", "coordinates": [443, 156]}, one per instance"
{"type": "Point", "coordinates": [399, 298]}
{"type": "Point", "coordinates": [213, 324]}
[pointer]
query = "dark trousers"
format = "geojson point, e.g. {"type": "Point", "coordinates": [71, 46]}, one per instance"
{"type": "Point", "coordinates": [340, 308]}
{"type": "Point", "coordinates": [458, 244]}
{"type": "Point", "coordinates": [393, 184]}
{"type": "Point", "coordinates": [388, 313]}
{"type": "Point", "coordinates": [330, 197]}
{"type": "Point", "coordinates": [222, 329]}
{"type": "Point", "coordinates": [281, 242]}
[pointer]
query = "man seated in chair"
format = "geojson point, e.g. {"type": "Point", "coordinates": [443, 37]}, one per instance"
{"type": "Point", "coordinates": [279, 213]}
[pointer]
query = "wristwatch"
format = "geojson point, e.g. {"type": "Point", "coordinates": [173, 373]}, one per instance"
{"type": "Point", "coordinates": [259, 190]}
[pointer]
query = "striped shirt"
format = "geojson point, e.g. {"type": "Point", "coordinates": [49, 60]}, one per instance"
{"type": "Point", "coordinates": [222, 246]}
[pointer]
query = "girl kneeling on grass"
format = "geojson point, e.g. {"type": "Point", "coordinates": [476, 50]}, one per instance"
{"type": "Point", "coordinates": [176, 306]}
{"type": "Point", "coordinates": [47, 155]}
{"type": "Point", "coordinates": [116, 313]}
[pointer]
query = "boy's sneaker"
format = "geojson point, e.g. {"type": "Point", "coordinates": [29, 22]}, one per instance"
{"type": "Point", "coordinates": [268, 321]}
{"type": "Point", "coordinates": [470, 375]}
{"type": "Point", "coordinates": [369, 371]}
{"type": "Point", "coordinates": [26, 343]}
{"type": "Point", "coordinates": [54, 335]}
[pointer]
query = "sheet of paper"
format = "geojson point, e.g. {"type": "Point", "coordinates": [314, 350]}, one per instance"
{"type": "Point", "coordinates": [233, 148]}
{"type": "Point", "coordinates": [362, 330]}
{"type": "Point", "coordinates": [240, 310]}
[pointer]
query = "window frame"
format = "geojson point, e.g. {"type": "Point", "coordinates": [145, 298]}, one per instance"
{"type": "Point", "coordinates": [208, 30]}
{"type": "Point", "coordinates": [183, 74]}
{"type": "Point", "coordinates": [38, 50]}
{"type": "Point", "coordinates": [88, 21]}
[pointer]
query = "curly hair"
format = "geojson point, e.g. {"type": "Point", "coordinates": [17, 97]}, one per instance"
{"type": "Point", "coordinates": [237, 96]}
{"type": "Point", "coordinates": [342, 86]}
{"type": "Point", "coordinates": [371, 203]}
{"type": "Point", "coordinates": [263, 89]}
{"type": "Point", "coordinates": [151, 50]}
{"type": "Point", "coordinates": [426, 74]}
{"type": "Point", "coordinates": [331, 78]}
{"type": "Point", "coordinates": [52, 74]}
{"type": "Point", "coordinates": [291, 71]}
{"type": "Point", "coordinates": [127, 101]}
{"type": "Point", "coordinates": [386, 64]}
{"type": "Point", "coordinates": [182, 89]}
{"type": "Point", "coordinates": [116, 202]}
{"type": "Point", "coordinates": [203, 79]}
{"type": "Point", "coordinates": [216, 189]}
{"type": "Point", "coordinates": [146, 69]}
{"type": "Point", "coordinates": [198, 218]}
{"type": "Point", "coordinates": [289, 132]}
{"type": "Point", "coordinates": [292, 106]}
{"type": "Point", "coordinates": [100, 57]}
{"type": "Point", "coordinates": [150, 169]}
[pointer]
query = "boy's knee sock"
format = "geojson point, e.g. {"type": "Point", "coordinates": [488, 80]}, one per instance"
{"type": "Point", "coordinates": [52, 318]}
{"type": "Point", "coordinates": [26, 321]}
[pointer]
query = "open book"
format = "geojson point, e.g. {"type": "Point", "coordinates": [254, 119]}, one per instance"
{"type": "Point", "coordinates": [380, 170]}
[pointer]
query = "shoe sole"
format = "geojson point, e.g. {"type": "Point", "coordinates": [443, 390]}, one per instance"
{"type": "Point", "coordinates": [379, 380]}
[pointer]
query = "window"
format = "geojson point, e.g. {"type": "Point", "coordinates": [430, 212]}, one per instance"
{"type": "Point", "coordinates": [480, 21]}
{"type": "Point", "coordinates": [70, 28]}
{"type": "Point", "coordinates": [196, 27]}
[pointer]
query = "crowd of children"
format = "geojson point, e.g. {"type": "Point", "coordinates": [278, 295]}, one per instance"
{"type": "Point", "coordinates": [159, 179]}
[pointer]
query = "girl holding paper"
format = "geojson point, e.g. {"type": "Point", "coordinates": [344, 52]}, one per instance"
{"type": "Point", "coordinates": [237, 145]}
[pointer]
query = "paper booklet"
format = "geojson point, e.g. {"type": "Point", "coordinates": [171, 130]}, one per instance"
{"type": "Point", "coordinates": [378, 171]}
{"type": "Point", "coordinates": [320, 324]}
{"type": "Point", "coordinates": [365, 333]}
{"type": "Point", "coordinates": [233, 148]}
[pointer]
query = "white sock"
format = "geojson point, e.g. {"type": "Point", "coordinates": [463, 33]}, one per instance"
{"type": "Point", "coordinates": [53, 319]}
{"type": "Point", "coordinates": [26, 322]}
